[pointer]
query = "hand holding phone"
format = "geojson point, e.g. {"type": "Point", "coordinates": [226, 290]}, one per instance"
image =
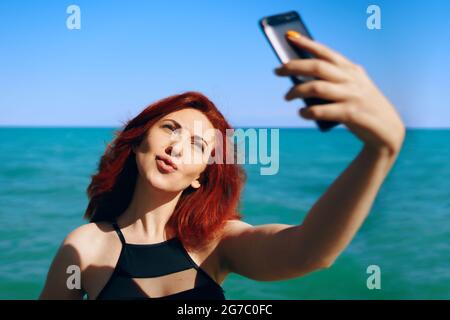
{"type": "Point", "coordinates": [275, 28]}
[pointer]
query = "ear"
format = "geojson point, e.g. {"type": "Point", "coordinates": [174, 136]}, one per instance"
{"type": "Point", "coordinates": [195, 184]}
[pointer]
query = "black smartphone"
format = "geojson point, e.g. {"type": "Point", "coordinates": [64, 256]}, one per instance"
{"type": "Point", "coordinates": [274, 28]}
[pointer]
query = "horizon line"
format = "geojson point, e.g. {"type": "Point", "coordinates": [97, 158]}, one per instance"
{"type": "Point", "coordinates": [243, 126]}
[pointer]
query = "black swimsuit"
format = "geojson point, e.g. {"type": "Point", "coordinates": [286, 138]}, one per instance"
{"type": "Point", "coordinates": [141, 267]}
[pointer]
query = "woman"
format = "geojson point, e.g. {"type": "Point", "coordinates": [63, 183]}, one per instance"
{"type": "Point", "coordinates": [165, 227]}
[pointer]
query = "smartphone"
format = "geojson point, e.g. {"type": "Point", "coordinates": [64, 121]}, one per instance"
{"type": "Point", "coordinates": [274, 28]}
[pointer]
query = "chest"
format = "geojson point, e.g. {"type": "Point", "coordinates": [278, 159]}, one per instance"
{"type": "Point", "coordinates": [152, 271]}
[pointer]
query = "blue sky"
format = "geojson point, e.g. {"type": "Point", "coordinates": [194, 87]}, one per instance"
{"type": "Point", "coordinates": [131, 53]}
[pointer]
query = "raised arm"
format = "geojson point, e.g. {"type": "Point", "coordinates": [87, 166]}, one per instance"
{"type": "Point", "coordinates": [276, 251]}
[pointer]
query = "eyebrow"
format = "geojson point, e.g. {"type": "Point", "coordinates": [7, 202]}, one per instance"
{"type": "Point", "coordinates": [179, 126]}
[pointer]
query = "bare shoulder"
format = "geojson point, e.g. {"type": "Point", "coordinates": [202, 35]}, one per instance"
{"type": "Point", "coordinates": [235, 228]}
{"type": "Point", "coordinates": [245, 248]}
{"type": "Point", "coordinates": [230, 230]}
{"type": "Point", "coordinates": [89, 233]}
{"type": "Point", "coordinates": [83, 247]}
{"type": "Point", "coordinates": [89, 240]}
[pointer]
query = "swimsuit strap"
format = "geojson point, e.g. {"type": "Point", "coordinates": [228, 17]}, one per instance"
{"type": "Point", "coordinates": [119, 232]}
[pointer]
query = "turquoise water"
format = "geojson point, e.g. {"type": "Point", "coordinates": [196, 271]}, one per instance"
{"type": "Point", "coordinates": [44, 173]}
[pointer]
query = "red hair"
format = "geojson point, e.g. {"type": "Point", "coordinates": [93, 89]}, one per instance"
{"type": "Point", "coordinates": [200, 213]}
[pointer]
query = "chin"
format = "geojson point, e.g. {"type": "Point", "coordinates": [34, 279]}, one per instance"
{"type": "Point", "coordinates": [162, 182]}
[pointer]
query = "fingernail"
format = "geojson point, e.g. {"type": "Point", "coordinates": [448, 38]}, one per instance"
{"type": "Point", "coordinates": [293, 34]}
{"type": "Point", "coordinates": [303, 112]}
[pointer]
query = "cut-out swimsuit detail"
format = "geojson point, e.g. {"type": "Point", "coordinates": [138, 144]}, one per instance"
{"type": "Point", "coordinates": [162, 270]}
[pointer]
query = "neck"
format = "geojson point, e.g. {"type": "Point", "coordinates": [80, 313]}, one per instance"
{"type": "Point", "coordinates": [149, 211]}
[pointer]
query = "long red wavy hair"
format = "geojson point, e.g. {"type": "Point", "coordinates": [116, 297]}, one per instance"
{"type": "Point", "coordinates": [199, 213]}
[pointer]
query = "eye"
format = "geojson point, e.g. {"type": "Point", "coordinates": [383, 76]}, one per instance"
{"type": "Point", "coordinates": [168, 126]}
{"type": "Point", "coordinates": [199, 145]}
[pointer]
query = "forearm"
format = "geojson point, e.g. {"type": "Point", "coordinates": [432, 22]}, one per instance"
{"type": "Point", "coordinates": [338, 214]}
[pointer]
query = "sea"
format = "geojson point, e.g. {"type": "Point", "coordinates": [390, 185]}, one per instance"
{"type": "Point", "coordinates": [44, 173]}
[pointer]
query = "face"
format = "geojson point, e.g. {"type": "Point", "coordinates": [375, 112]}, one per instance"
{"type": "Point", "coordinates": [175, 150]}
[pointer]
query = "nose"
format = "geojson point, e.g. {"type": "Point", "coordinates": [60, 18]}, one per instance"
{"type": "Point", "coordinates": [175, 149]}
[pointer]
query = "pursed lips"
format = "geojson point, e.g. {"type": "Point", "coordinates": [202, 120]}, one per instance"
{"type": "Point", "coordinates": [165, 163]}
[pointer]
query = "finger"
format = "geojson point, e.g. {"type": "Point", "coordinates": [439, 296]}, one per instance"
{"type": "Point", "coordinates": [327, 112]}
{"type": "Point", "coordinates": [312, 67]}
{"type": "Point", "coordinates": [317, 88]}
{"type": "Point", "coordinates": [317, 49]}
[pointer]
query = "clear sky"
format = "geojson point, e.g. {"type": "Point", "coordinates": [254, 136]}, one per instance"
{"type": "Point", "coordinates": [128, 54]}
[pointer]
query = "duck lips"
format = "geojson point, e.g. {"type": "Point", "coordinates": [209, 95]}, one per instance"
{"type": "Point", "coordinates": [163, 166]}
